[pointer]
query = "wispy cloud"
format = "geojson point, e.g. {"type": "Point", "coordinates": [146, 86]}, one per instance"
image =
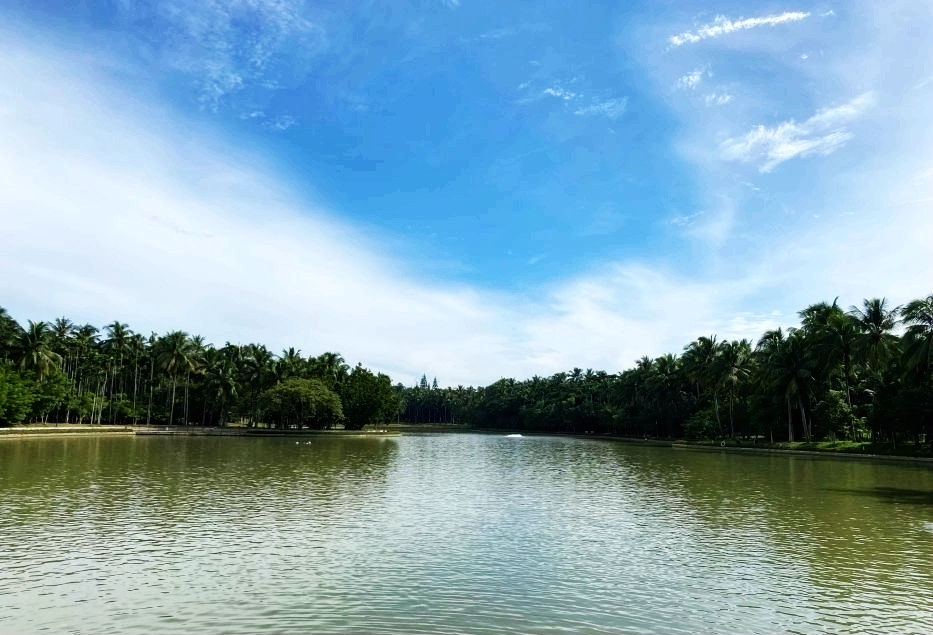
{"type": "Point", "coordinates": [685, 220]}
{"type": "Point", "coordinates": [280, 124]}
{"type": "Point", "coordinates": [717, 99]}
{"type": "Point", "coordinates": [691, 80]}
{"type": "Point", "coordinates": [822, 134]}
{"type": "Point", "coordinates": [723, 26]}
{"type": "Point", "coordinates": [230, 47]}
{"type": "Point", "coordinates": [536, 259]}
{"type": "Point", "coordinates": [560, 93]}
{"type": "Point", "coordinates": [612, 108]}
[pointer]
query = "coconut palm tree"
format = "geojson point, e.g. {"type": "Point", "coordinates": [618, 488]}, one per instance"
{"type": "Point", "coordinates": [137, 348]}
{"type": "Point", "coordinates": [10, 332]}
{"type": "Point", "coordinates": [733, 368]}
{"type": "Point", "coordinates": [838, 341]}
{"type": "Point", "coordinates": [35, 346]}
{"type": "Point", "coordinates": [175, 359]}
{"type": "Point", "coordinates": [789, 370]}
{"type": "Point", "coordinates": [918, 338]}
{"type": "Point", "coordinates": [333, 370]}
{"type": "Point", "coordinates": [290, 364]}
{"type": "Point", "coordinates": [116, 346]}
{"type": "Point", "coordinates": [702, 367]}
{"type": "Point", "coordinates": [220, 378]}
{"type": "Point", "coordinates": [877, 344]}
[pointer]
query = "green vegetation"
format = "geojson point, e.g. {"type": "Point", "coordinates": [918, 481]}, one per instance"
{"type": "Point", "coordinates": [840, 376]}
{"type": "Point", "coordinates": [862, 376]}
{"type": "Point", "coordinates": [62, 372]}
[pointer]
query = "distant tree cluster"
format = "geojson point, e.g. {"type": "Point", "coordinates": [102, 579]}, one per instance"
{"type": "Point", "coordinates": [861, 374]}
{"type": "Point", "coordinates": [63, 372]}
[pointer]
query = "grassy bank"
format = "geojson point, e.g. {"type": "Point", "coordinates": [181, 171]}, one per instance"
{"type": "Point", "coordinates": [838, 447]}
{"type": "Point", "coordinates": [62, 429]}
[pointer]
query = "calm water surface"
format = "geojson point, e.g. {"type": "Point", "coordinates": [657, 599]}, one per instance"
{"type": "Point", "coordinates": [455, 534]}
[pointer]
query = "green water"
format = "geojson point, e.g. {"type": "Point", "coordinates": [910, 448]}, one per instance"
{"type": "Point", "coordinates": [455, 534]}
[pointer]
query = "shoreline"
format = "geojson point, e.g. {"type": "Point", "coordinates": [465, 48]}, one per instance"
{"type": "Point", "coordinates": [762, 450]}
{"type": "Point", "coordinates": [394, 430]}
{"type": "Point", "coordinates": [65, 430]}
{"type": "Point", "coordinates": [74, 430]}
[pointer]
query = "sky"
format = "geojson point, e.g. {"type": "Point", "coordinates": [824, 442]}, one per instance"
{"type": "Point", "coordinates": [466, 189]}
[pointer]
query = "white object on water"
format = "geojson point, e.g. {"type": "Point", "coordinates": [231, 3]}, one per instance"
{"type": "Point", "coordinates": [513, 436]}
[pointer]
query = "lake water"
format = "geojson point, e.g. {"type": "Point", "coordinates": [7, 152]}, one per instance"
{"type": "Point", "coordinates": [455, 533]}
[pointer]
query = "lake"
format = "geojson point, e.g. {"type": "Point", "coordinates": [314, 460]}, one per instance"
{"type": "Point", "coordinates": [455, 533]}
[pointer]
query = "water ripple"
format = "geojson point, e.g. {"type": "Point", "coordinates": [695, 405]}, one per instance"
{"type": "Point", "coordinates": [454, 534]}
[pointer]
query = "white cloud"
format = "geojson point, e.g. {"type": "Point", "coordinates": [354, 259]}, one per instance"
{"type": "Point", "coordinates": [612, 108]}
{"type": "Point", "coordinates": [227, 47]}
{"type": "Point", "coordinates": [717, 99]}
{"type": "Point", "coordinates": [280, 124]}
{"type": "Point", "coordinates": [723, 26]}
{"type": "Point", "coordinates": [691, 80]}
{"type": "Point", "coordinates": [109, 209]}
{"type": "Point", "coordinates": [822, 134]}
{"type": "Point", "coordinates": [560, 93]}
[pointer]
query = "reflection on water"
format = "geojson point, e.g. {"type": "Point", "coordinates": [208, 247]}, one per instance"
{"type": "Point", "coordinates": [454, 534]}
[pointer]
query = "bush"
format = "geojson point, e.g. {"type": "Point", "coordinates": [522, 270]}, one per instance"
{"type": "Point", "coordinates": [303, 402]}
{"type": "Point", "coordinates": [701, 425]}
{"type": "Point", "coordinates": [833, 417]}
{"type": "Point", "coordinates": [17, 395]}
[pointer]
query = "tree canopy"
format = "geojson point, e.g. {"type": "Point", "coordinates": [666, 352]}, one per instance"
{"type": "Point", "coordinates": [864, 373]}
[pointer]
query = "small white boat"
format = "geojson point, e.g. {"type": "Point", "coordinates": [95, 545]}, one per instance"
{"type": "Point", "coordinates": [513, 436]}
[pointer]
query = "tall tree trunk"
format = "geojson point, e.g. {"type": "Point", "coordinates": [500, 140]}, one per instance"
{"type": "Point", "coordinates": [803, 418]}
{"type": "Point", "coordinates": [731, 422]}
{"type": "Point", "coordinates": [149, 409]}
{"type": "Point", "coordinates": [135, 386]}
{"type": "Point", "coordinates": [790, 420]}
{"type": "Point", "coordinates": [716, 408]}
{"type": "Point", "coordinates": [171, 416]}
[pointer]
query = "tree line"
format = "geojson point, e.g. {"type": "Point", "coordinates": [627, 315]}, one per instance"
{"type": "Point", "coordinates": [76, 373]}
{"type": "Point", "coordinates": [865, 373]}
{"type": "Point", "coordinates": [860, 374]}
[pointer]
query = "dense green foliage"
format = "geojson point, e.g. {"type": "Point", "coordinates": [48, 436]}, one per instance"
{"type": "Point", "coordinates": [64, 372]}
{"type": "Point", "coordinates": [861, 374]}
{"type": "Point", "coordinates": [839, 375]}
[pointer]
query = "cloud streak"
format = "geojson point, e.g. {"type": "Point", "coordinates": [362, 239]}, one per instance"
{"type": "Point", "coordinates": [611, 108]}
{"type": "Point", "coordinates": [724, 26]}
{"type": "Point", "coordinates": [821, 134]}
{"type": "Point", "coordinates": [691, 80]}
{"type": "Point", "coordinates": [227, 48]}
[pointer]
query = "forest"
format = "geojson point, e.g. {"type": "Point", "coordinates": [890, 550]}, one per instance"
{"type": "Point", "coordinates": [865, 373]}
{"type": "Point", "coordinates": [862, 374]}
{"type": "Point", "coordinates": [66, 373]}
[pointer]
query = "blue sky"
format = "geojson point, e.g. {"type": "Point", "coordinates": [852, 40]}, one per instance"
{"type": "Point", "coordinates": [467, 189]}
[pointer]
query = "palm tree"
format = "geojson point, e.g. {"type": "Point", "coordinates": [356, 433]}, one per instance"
{"type": "Point", "coordinates": [789, 371]}
{"type": "Point", "coordinates": [116, 345]}
{"type": "Point", "coordinates": [175, 359]}
{"type": "Point", "coordinates": [220, 379]}
{"type": "Point", "coordinates": [137, 346]}
{"type": "Point", "coordinates": [10, 332]}
{"type": "Point", "coordinates": [733, 369]}
{"type": "Point", "coordinates": [701, 365]}
{"type": "Point", "coordinates": [196, 359]}
{"type": "Point", "coordinates": [918, 338]}
{"type": "Point", "coordinates": [838, 341]}
{"type": "Point", "coordinates": [877, 343]}
{"type": "Point", "coordinates": [333, 370]}
{"type": "Point", "coordinates": [259, 369]}
{"type": "Point", "coordinates": [291, 364]}
{"type": "Point", "coordinates": [36, 353]}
